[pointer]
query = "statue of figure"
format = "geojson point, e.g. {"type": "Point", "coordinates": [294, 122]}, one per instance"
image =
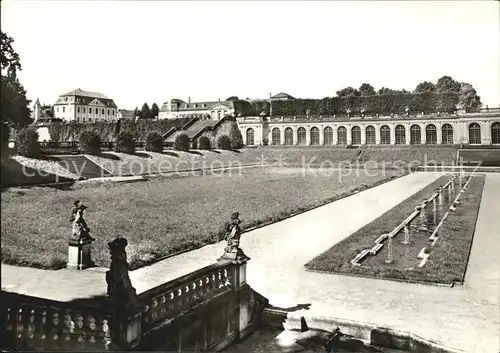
{"type": "Point", "coordinates": [80, 230]}
{"type": "Point", "coordinates": [234, 233]}
{"type": "Point", "coordinates": [119, 285]}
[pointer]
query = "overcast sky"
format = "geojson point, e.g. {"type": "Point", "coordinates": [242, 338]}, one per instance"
{"type": "Point", "coordinates": [137, 51]}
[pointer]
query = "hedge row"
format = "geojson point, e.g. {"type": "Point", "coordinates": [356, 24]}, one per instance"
{"type": "Point", "coordinates": [108, 131]}
{"type": "Point", "coordinates": [391, 103]}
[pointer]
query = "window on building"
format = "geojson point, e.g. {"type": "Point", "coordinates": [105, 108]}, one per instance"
{"type": "Point", "coordinates": [77, 119]}
{"type": "Point", "coordinates": [78, 109]}
{"type": "Point", "coordinates": [430, 134]}
{"type": "Point", "coordinates": [328, 136]}
{"type": "Point", "coordinates": [108, 111]}
{"type": "Point", "coordinates": [84, 109]}
{"type": "Point", "coordinates": [342, 136]}
{"type": "Point", "coordinates": [250, 137]}
{"type": "Point", "coordinates": [83, 119]}
{"type": "Point", "coordinates": [314, 136]}
{"type": "Point", "coordinates": [415, 135]}
{"type": "Point", "coordinates": [276, 136]}
{"type": "Point", "coordinates": [474, 134]}
{"type": "Point", "coordinates": [447, 134]}
{"type": "Point", "coordinates": [495, 133]}
{"type": "Point", "coordinates": [288, 136]}
{"type": "Point", "coordinates": [400, 135]}
{"type": "Point", "coordinates": [301, 136]}
{"type": "Point", "coordinates": [218, 114]}
{"type": "Point", "coordinates": [385, 135]}
{"type": "Point", "coordinates": [356, 135]}
{"type": "Point", "coordinates": [102, 112]}
{"type": "Point", "coordinates": [90, 119]}
{"type": "Point", "coordinates": [64, 109]}
{"type": "Point", "coordinates": [113, 113]}
{"type": "Point", "coordinates": [370, 135]}
{"type": "Point", "coordinates": [57, 109]}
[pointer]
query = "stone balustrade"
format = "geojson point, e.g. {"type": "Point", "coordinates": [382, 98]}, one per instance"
{"type": "Point", "coordinates": [175, 297]}
{"type": "Point", "coordinates": [34, 323]}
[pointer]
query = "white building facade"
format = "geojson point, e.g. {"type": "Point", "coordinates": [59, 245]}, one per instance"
{"type": "Point", "coordinates": [84, 106]}
{"type": "Point", "coordinates": [473, 129]}
{"type": "Point", "coordinates": [215, 110]}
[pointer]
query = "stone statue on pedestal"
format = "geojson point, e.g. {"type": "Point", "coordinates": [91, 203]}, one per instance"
{"type": "Point", "coordinates": [232, 250]}
{"type": "Point", "coordinates": [80, 230]}
{"type": "Point", "coordinates": [119, 285]}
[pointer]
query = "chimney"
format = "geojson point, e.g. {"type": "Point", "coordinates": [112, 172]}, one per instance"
{"type": "Point", "coordinates": [219, 99]}
{"type": "Point", "coordinates": [189, 100]}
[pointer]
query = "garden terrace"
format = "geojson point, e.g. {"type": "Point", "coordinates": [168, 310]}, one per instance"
{"type": "Point", "coordinates": [480, 157]}
{"type": "Point", "coordinates": [359, 255]}
{"type": "Point", "coordinates": [193, 211]}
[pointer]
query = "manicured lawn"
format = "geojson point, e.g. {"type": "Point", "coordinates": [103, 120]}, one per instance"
{"type": "Point", "coordinates": [164, 215]}
{"type": "Point", "coordinates": [449, 256]}
{"type": "Point", "coordinates": [485, 157]}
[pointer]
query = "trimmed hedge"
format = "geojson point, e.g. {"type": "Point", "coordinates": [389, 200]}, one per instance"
{"type": "Point", "coordinates": [90, 142]}
{"type": "Point", "coordinates": [181, 142]}
{"type": "Point", "coordinates": [235, 136]}
{"type": "Point", "coordinates": [125, 142]}
{"type": "Point", "coordinates": [27, 143]}
{"type": "Point", "coordinates": [204, 143]}
{"type": "Point", "coordinates": [154, 142]}
{"type": "Point", "coordinates": [224, 142]}
{"type": "Point", "coordinates": [427, 102]}
{"type": "Point", "coordinates": [67, 132]}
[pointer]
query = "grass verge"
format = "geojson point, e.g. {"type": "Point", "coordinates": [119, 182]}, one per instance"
{"type": "Point", "coordinates": [448, 261]}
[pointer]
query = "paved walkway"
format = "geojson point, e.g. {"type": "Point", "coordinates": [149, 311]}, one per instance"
{"type": "Point", "coordinates": [464, 317]}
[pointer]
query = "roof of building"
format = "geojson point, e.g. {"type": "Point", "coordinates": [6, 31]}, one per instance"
{"type": "Point", "coordinates": [282, 95]}
{"type": "Point", "coordinates": [85, 98]}
{"type": "Point", "coordinates": [197, 106]}
{"type": "Point", "coordinates": [126, 112]}
{"type": "Point", "coordinates": [81, 93]}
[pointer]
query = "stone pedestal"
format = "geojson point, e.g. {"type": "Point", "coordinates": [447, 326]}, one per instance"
{"type": "Point", "coordinates": [80, 254]}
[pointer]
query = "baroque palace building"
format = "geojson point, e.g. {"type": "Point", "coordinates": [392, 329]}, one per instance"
{"type": "Point", "coordinates": [84, 106]}
{"type": "Point", "coordinates": [214, 110]}
{"type": "Point", "coordinates": [474, 128]}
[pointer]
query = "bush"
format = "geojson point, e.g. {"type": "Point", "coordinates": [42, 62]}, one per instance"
{"type": "Point", "coordinates": [90, 142]}
{"type": "Point", "coordinates": [125, 142]}
{"type": "Point", "coordinates": [154, 142]}
{"type": "Point", "coordinates": [235, 136]}
{"type": "Point", "coordinates": [181, 142]}
{"type": "Point", "coordinates": [204, 143]}
{"type": "Point", "coordinates": [27, 143]}
{"type": "Point", "coordinates": [224, 142]}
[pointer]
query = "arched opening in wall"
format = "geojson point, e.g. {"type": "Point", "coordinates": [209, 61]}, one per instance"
{"type": "Point", "coordinates": [356, 135]}
{"type": "Point", "coordinates": [314, 136]}
{"type": "Point", "coordinates": [301, 136]}
{"type": "Point", "coordinates": [250, 137]}
{"type": "Point", "coordinates": [400, 135]}
{"type": "Point", "coordinates": [328, 136]}
{"type": "Point", "coordinates": [474, 134]}
{"type": "Point", "coordinates": [415, 135]}
{"type": "Point", "coordinates": [370, 135]}
{"type": "Point", "coordinates": [276, 136]}
{"type": "Point", "coordinates": [385, 135]}
{"type": "Point", "coordinates": [447, 134]}
{"type": "Point", "coordinates": [288, 136]}
{"type": "Point", "coordinates": [342, 136]}
{"type": "Point", "coordinates": [495, 133]}
{"type": "Point", "coordinates": [431, 134]}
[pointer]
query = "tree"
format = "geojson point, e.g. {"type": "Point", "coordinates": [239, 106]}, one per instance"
{"type": "Point", "coordinates": [27, 143]}
{"type": "Point", "coordinates": [235, 136]}
{"type": "Point", "coordinates": [385, 90]}
{"type": "Point", "coordinates": [204, 143]}
{"type": "Point", "coordinates": [90, 142]}
{"type": "Point", "coordinates": [367, 90]}
{"type": "Point", "coordinates": [468, 98]}
{"type": "Point", "coordinates": [181, 142]}
{"type": "Point", "coordinates": [232, 99]}
{"type": "Point", "coordinates": [224, 142]}
{"type": "Point", "coordinates": [424, 87]}
{"type": "Point", "coordinates": [145, 112]}
{"type": "Point", "coordinates": [154, 142]}
{"type": "Point", "coordinates": [15, 112]}
{"type": "Point", "coordinates": [447, 84]}
{"type": "Point", "coordinates": [137, 113]}
{"type": "Point", "coordinates": [125, 142]}
{"type": "Point", "coordinates": [154, 111]}
{"type": "Point", "coordinates": [348, 92]}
